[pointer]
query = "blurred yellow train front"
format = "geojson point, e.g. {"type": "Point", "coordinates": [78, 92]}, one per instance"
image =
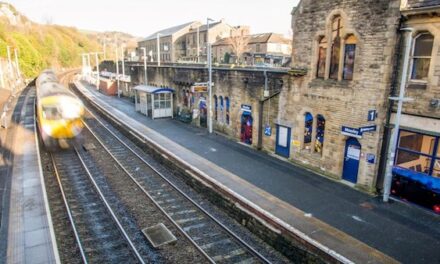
{"type": "Point", "coordinates": [61, 117]}
{"type": "Point", "coordinates": [59, 112]}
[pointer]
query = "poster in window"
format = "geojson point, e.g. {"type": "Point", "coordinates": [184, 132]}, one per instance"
{"type": "Point", "coordinates": [350, 50]}
{"type": "Point", "coordinates": [353, 152]}
{"type": "Point", "coordinates": [334, 62]}
{"type": "Point", "coordinates": [321, 62]}
{"type": "Point", "coordinates": [282, 136]}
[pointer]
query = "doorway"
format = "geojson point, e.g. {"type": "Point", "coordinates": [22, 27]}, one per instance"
{"type": "Point", "coordinates": [351, 160]}
{"type": "Point", "coordinates": [283, 141]}
{"type": "Point", "coordinates": [203, 114]}
{"type": "Point", "coordinates": [246, 127]}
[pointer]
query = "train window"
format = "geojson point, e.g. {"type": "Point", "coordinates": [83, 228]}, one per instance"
{"type": "Point", "coordinates": [51, 113]}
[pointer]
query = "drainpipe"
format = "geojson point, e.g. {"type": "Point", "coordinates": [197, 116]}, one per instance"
{"type": "Point", "coordinates": [266, 97]}
{"type": "Point", "coordinates": [387, 134]}
{"type": "Point", "coordinates": [400, 99]}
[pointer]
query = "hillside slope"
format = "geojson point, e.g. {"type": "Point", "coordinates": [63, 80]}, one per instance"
{"type": "Point", "coordinates": [42, 46]}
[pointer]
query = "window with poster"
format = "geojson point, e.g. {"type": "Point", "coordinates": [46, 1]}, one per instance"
{"type": "Point", "coordinates": [416, 174]}
{"type": "Point", "coordinates": [320, 130]}
{"type": "Point", "coordinates": [418, 152]}
{"type": "Point", "coordinates": [349, 56]}
{"type": "Point", "coordinates": [308, 127]}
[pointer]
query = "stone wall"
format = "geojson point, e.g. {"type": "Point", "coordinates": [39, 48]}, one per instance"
{"type": "Point", "coordinates": [341, 102]}
{"type": "Point", "coordinates": [426, 95]}
{"type": "Point", "coordinates": [241, 86]}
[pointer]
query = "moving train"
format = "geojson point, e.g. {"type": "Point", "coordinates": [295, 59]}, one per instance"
{"type": "Point", "coordinates": [59, 112]}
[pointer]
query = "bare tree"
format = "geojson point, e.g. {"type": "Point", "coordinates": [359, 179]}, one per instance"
{"type": "Point", "coordinates": [239, 46]}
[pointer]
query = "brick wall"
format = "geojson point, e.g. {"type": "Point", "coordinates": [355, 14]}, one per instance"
{"type": "Point", "coordinates": [240, 86]}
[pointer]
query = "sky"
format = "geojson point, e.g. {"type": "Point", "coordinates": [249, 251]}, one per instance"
{"type": "Point", "coordinates": [144, 17]}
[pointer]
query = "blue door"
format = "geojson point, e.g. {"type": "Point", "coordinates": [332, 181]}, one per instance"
{"type": "Point", "coordinates": [351, 160]}
{"type": "Point", "coordinates": [283, 141]}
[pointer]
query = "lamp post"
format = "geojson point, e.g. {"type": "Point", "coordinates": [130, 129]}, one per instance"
{"type": "Point", "coordinates": [117, 69]}
{"type": "Point", "coordinates": [8, 50]}
{"type": "Point", "coordinates": [89, 64]}
{"type": "Point", "coordinates": [400, 99]}
{"type": "Point", "coordinates": [98, 81]}
{"type": "Point", "coordinates": [208, 54]}
{"type": "Point", "coordinates": [145, 65]}
{"type": "Point", "coordinates": [16, 63]}
{"type": "Point", "coordinates": [123, 60]}
{"type": "Point", "coordinates": [2, 81]}
{"type": "Point", "coordinates": [158, 48]}
{"type": "Point", "coordinates": [198, 44]}
{"type": "Point", "coordinates": [123, 64]}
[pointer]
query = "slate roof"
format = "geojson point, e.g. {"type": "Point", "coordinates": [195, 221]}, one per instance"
{"type": "Point", "coordinates": [258, 38]}
{"type": "Point", "coordinates": [422, 3]}
{"type": "Point", "coordinates": [203, 27]}
{"type": "Point", "coordinates": [168, 31]}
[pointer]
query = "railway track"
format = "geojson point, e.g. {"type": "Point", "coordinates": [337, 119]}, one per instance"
{"type": "Point", "coordinates": [99, 235]}
{"type": "Point", "coordinates": [213, 239]}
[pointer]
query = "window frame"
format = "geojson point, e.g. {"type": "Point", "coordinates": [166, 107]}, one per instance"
{"type": "Point", "coordinates": [316, 146]}
{"type": "Point", "coordinates": [322, 45]}
{"type": "Point", "coordinates": [346, 43]}
{"type": "Point", "coordinates": [340, 34]}
{"type": "Point", "coordinates": [309, 144]}
{"type": "Point", "coordinates": [433, 156]}
{"type": "Point", "coordinates": [412, 57]}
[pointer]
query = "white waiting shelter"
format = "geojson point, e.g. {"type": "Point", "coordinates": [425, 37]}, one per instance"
{"type": "Point", "coordinates": [155, 102]}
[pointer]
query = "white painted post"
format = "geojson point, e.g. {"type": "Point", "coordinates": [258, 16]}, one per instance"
{"type": "Point", "coordinates": [97, 71]}
{"type": "Point", "coordinates": [145, 65]}
{"type": "Point", "coordinates": [2, 81]}
{"type": "Point", "coordinates": [16, 63]}
{"type": "Point", "coordinates": [158, 49]}
{"type": "Point", "coordinates": [400, 99]}
{"type": "Point", "coordinates": [208, 54]}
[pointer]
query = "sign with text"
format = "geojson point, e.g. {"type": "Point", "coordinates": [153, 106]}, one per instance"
{"type": "Point", "coordinates": [368, 129]}
{"type": "Point", "coordinates": [199, 88]}
{"type": "Point", "coordinates": [371, 158]}
{"type": "Point", "coordinates": [246, 108]}
{"type": "Point", "coordinates": [268, 130]}
{"type": "Point", "coordinates": [350, 131]}
{"type": "Point", "coordinates": [372, 114]}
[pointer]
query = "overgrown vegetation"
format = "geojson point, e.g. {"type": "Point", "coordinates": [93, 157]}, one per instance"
{"type": "Point", "coordinates": [44, 46]}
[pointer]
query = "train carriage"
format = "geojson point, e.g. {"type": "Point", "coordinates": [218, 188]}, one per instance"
{"type": "Point", "coordinates": [59, 112]}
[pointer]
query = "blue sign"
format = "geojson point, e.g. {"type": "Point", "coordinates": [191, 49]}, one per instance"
{"type": "Point", "coordinates": [350, 131]}
{"type": "Point", "coordinates": [267, 130]}
{"type": "Point", "coordinates": [372, 114]}
{"type": "Point", "coordinates": [368, 129]}
{"type": "Point", "coordinates": [371, 158]}
{"type": "Point", "coordinates": [246, 108]}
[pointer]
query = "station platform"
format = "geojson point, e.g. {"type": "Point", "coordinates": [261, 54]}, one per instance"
{"type": "Point", "coordinates": [354, 226]}
{"type": "Point", "coordinates": [26, 224]}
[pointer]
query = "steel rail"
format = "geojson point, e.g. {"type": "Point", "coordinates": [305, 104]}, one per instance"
{"type": "Point", "coordinates": [109, 209]}
{"type": "Point", "coordinates": [69, 212]}
{"type": "Point", "coordinates": [150, 197]}
{"type": "Point", "coordinates": [232, 234]}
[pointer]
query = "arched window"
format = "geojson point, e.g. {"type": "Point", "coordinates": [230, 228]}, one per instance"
{"type": "Point", "coordinates": [215, 107]}
{"type": "Point", "coordinates": [322, 55]}
{"type": "Point", "coordinates": [308, 126]}
{"type": "Point", "coordinates": [227, 110]}
{"type": "Point", "coordinates": [421, 56]}
{"type": "Point", "coordinates": [336, 47]}
{"type": "Point", "coordinates": [320, 130]}
{"type": "Point", "coordinates": [221, 109]}
{"type": "Point", "coordinates": [350, 50]}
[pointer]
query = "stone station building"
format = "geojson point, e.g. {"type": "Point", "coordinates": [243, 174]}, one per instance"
{"type": "Point", "coordinates": [331, 112]}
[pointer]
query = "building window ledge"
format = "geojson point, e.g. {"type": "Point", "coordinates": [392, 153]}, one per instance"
{"type": "Point", "coordinates": [330, 83]}
{"type": "Point", "coordinates": [417, 85]}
